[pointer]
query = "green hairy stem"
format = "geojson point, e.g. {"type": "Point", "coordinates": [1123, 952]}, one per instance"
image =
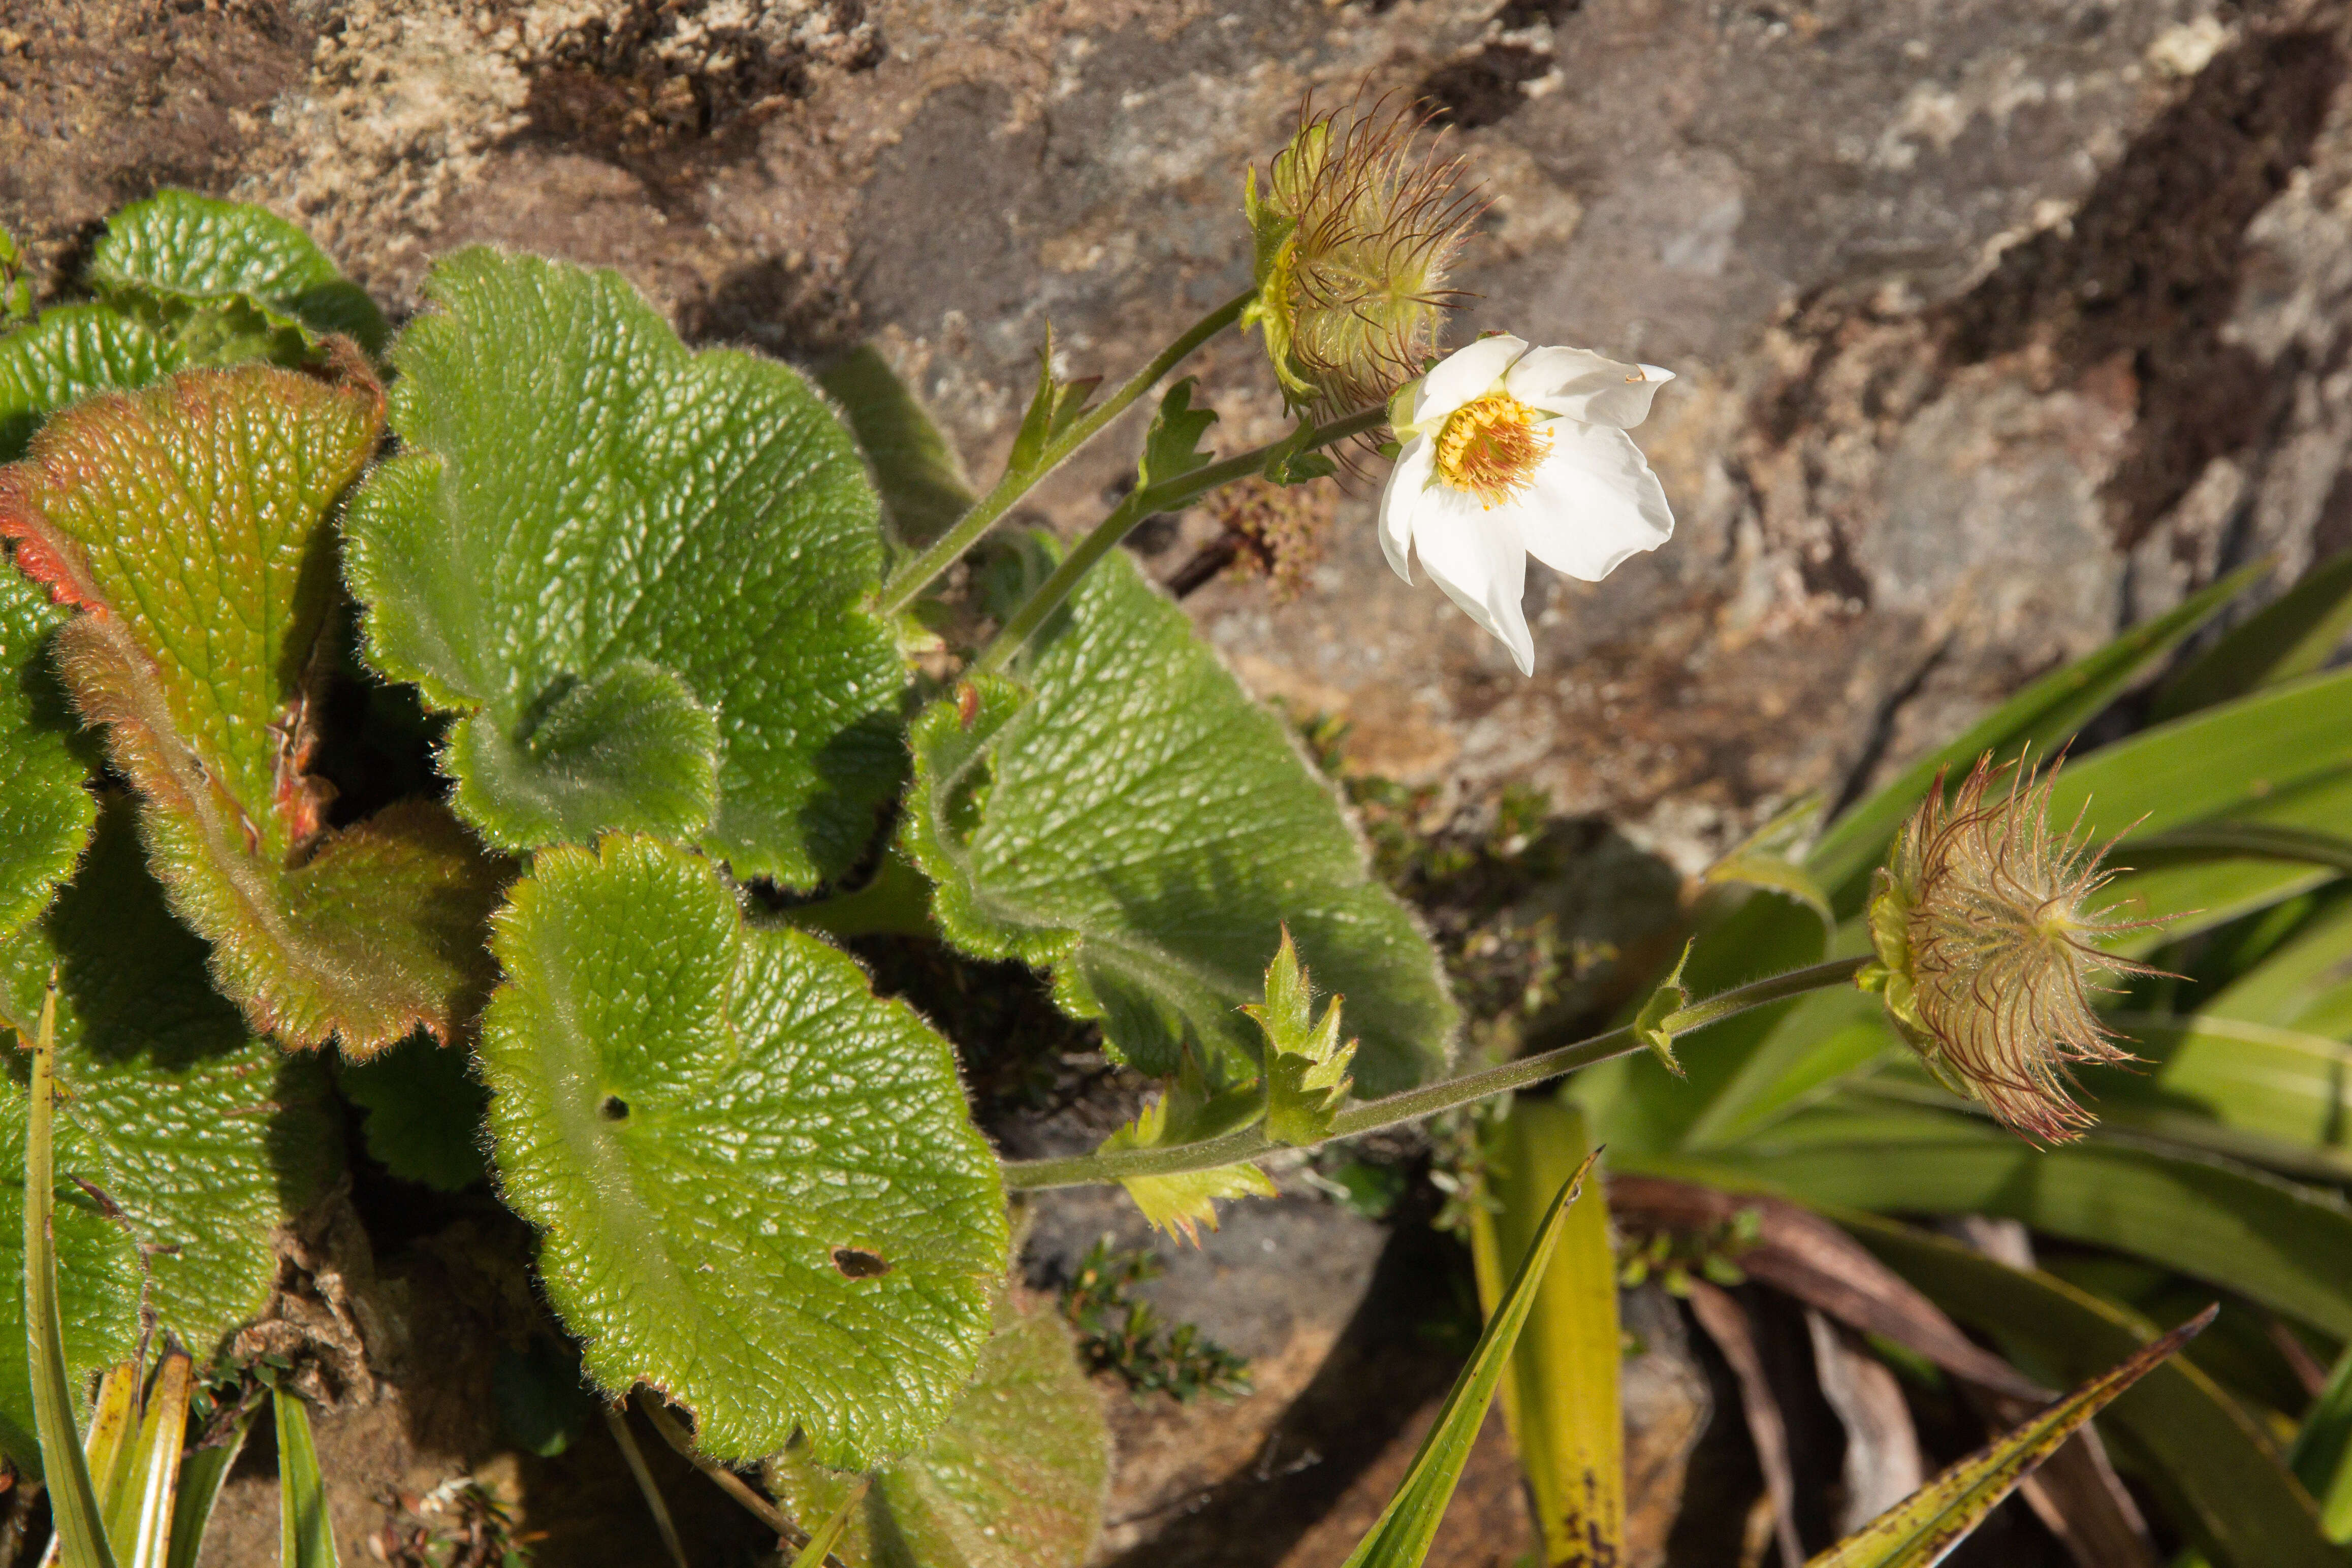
{"type": "Point", "coordinates": [1248, 1142]}
{"type": "Point", "coordinates": [1138, 505]}
{"type": "Point", "coordinates": [909, 581]}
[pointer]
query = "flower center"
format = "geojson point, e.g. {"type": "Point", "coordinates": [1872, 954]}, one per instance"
{"type": "Point", "coordinates": [1491, 448]}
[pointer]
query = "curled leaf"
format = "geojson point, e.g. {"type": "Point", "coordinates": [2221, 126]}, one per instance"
{"type": "Point", "coordinates": [1669, 999]}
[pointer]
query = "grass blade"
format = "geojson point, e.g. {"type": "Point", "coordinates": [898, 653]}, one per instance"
{"type": "Point", "coordinates": [1560, 1396]}
{"type": "Point", "coordinates": [2322, 1456]}
{"type": "Point", "coordinates": [617, 1421]}
{"type": "Point", "coordinates": [1923, 1529]}
{"type": "Point", "coordinates": [138, 1517]}
{"type": "Point", "coordinates": [2290, 636]}
{"type": "Point", "coordinates": [2042, 715]}
{"type": "Point", "coordinates": [1402, 1536]}
{"type": "Point", "coordinates": [201, 1472]}
{"type": "Point", "coordinates": [73, 1502]}
{"type": "Point", "coordinates": [815, 1554]}
{"type": "Point", "coordinates": [306, 1536]}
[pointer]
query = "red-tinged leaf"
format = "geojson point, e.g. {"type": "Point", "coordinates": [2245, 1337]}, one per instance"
{"type": "Point", "coordinates": [187, 522]}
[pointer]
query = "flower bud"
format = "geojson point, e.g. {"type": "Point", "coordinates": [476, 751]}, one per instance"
{"type": "Point", "coordinates": [1355, 228]}
{"type": "Point", "coordinates": [1987, 956]}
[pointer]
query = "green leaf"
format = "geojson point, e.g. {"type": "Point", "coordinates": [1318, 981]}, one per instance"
{"type": "Point", "coordinates": [828, 1534]}
{"type": "Point", "coordinates": [1135, 823]}
{"type": "Point", "coordinates": [189, 522]}
{"type": "Point", "coordinates": [1669, 999]}
{"type": "Point", "coordinates": [45, 808]}
{"type": "Point", "coordinates": [2294, 981]}
{"type": "Point", "coordinates": [1172, 448]}
{"type": "Point", "coordinates": [1306, 1065]}
{"type": "Point", "coordinates": [2321, 1454]}
{"type": "Point", "coordinates": [205, 1138]}
{"type": "Point", "coordinates": [1764, 859]}
{"type": "Point", "coordinates": [1189, 1111]}
{"type": "Point", "coordinates": [425, 1111]}
{"type": "Point", "coordinates": [1921, 1530]}
{"type": "Point", "coordinates": [178, 245]}
{"type": "Point", "coordinates": [2216, 1473]}
{"type": "Point", "coordinates": [1013, 1479]}
{"type": "Point", "coordinates": [306, 1532]}
{"type": "Point", "coordinates": [2043, 716]}
{"type": "Point", "coordinates": [758, 1187]}
{"type": "Point", "coordinates": [139, 1507]}
{"type": "Point", "coordinates": [1561, 1398]}
{"type": "Point", "coordinates": [922, 482]}
{"type": "Point", "coordinates": [201, 1473]}
{"type": "Point", "coordinates": [2276, 1084]}
{"type": "Point", "coordinates": [628, 746]}
{"type": "Point", "coordinates": [1402, 1536]}
{"type": "Point", "coordinates": [2286, 1246]}
{"type": "Point", "coordinates": [1054, 407]}
{"type": "Point", "coordinates": [16, 289]}
{"type": "Point", "coordinates": [2293, 635]}
{"type": "Point", "coordinates": [70, 354]}
{"type": "Point", "coordinates": [81, 1533]}
{"type": "Point", "coordinates": [581, 492]}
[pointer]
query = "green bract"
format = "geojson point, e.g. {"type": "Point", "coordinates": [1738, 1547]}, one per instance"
{"type": "Point", "coordinates": [187, 522]}
{"type": "Point", "coordinates": [759, 1188]}
{"type": "Point", "coordinates": [1013, 1479]}
{"type": "Point", "coordinates": [638, 572]}
{"type": "Point", "coordinates": [1132, 820]}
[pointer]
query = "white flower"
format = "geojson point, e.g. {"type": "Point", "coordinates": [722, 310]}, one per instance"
{"type": "Point", "coordinates": [1510, 452]}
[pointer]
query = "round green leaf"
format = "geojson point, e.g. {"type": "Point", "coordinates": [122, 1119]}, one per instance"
{"type": "Point", "coordinates": [177, 245]}
{"type": "Point", "coordinates": [584, 496]}
{"type": "Point", "coordinates": [1014, 1478]}
{"type": "Point", "coordinates": [759, 1188]}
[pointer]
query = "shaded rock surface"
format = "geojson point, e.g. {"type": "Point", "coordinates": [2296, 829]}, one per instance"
{"type": "Point", "coordinates": [2000, 325]}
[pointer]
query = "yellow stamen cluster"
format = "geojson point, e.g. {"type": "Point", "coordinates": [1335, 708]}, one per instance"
{"type": "Point", "coordinates": [1491, 447]}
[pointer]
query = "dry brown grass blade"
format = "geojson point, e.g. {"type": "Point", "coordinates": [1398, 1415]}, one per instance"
{"type": "Point", "coordinates": [1802, 1255]}
{"type": "Point", "coordinates": [1725, 1323]}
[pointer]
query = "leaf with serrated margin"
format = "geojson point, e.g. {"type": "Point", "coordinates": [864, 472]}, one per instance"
{"type": "Point", "coordinates": [1187, 1110]}
{"type": "Point", "coordinates": [1670, 998]}
{"type": "Point", "coordinates": [1172, 449]}
{"type": "Point", "coordinates": [424, 1108]}
{"type": "Point", "coordinates": [179, 247]}
{"type": "Point", "coordinates": [582, 492]}
{"type": "Point", "coordinates": [1054, 407]}
{"type": "Point", "coordinates": [1135, 823]}
{"type": "Point", "coordinates": [187, 522]}
{"type": "Point", "coordinates": [1306, 1065]}
{"type": "Point", "coordinates": [211, 1138]}
{"type": "Point", "coordinates": [758, 1187]}
{"type": "Point", "coordinates": [1014, 1478]}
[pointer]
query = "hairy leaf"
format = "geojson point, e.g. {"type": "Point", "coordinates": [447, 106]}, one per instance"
{"type": "Point", "coordinates": [922, 483]}
{"type": "Point", "coordinates": [45, 808]}
{"type": "Point", "coordinates": [1135, 823]}
{"type": "Point", "coordinates": [209, 1138]}
{"type": "Point", "coordinates": [425, 1111]}
{"type": "Point", "coordinates": [1306, 1065]}
{"type": "Point", "coordinates": [67, 355]}
{"type": "Point", "coordinates": [758, 1187]}
{"type": "Point", "coordinates": [1172, 447]}
{"type": "Point", "coordinates": [179, 246]}
{"type": "Point", "coordinates": [638, 573]}
{"type": "Point", "coordinates": [1054, 407]}
{"type": "Point", "coordinates": [1013, 1479]}
{"type": "Point", "coordinates": [188, 523]}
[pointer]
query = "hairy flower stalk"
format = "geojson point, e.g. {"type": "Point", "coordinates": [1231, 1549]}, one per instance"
{"type": "Point", "coordinates": [1988, 953]}
{"type": "Point", "coordinates": [1356, 226]}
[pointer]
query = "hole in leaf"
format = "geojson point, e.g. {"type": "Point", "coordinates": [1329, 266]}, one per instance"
{"type": "Point", "coordinates": [856, 1265]}
{"type": "Point", "coordinates": [613, 1108]}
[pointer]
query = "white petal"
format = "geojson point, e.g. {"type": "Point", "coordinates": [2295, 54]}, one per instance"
{"type": "Point", "coordinates": [1473, 554]}
{"type": "Point", "coordinates": [1577, 383]}
{"type": "Point", "coordinates": [1407, 481]}
{"type": "Point", "coordinates": [1593, 502]}
{"type": "Point", "coordinates": [1469, 371]}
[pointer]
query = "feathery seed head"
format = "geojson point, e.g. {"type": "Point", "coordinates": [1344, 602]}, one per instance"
{"type": "Point", "coordinates": [1988, 953]}
{"type": "Point", "coordinates": [1355, 226]}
